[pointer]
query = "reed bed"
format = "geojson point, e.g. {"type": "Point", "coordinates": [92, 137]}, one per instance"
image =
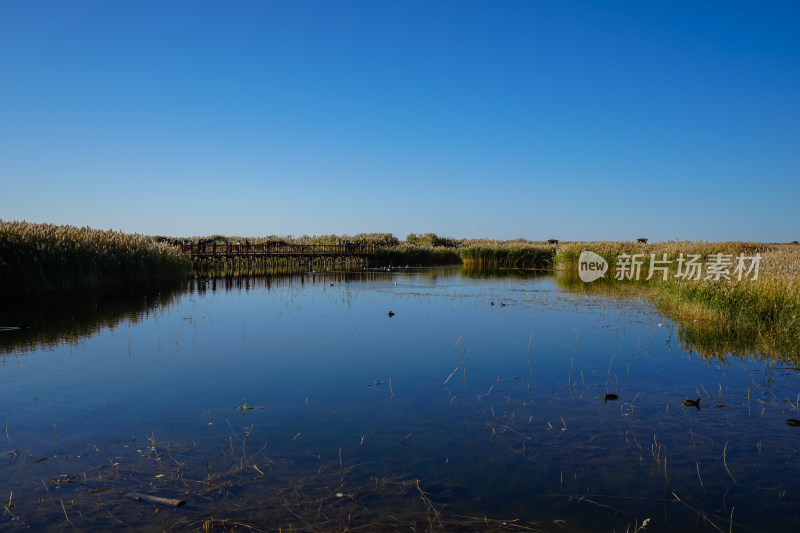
{"type": "Point", "coordinates": [48, 258]}
{"type": "Point", "coordinates": [427, 249]}
{"type": "Point", "coordinates": [513, 254]}
{"type": "Point", "coordinates": [431, 249]}
{"type": "Point", "coordinates": [412, 255]}
{"type": "Point", "coordinates": [431, 239]}
{"type": "Point", "coordinates": [567, 255]}
{"type": "Point", "coordinates": [376, 239]}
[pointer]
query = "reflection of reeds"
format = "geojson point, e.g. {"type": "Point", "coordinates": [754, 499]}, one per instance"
{"type": "Point", "coordinates": [763, 313]}
{"type": "Point", "coordinates": [700, 327]}
{"type": "Point", "coordinates": [49, 321]}
{"type": "Point", "coordinates": [471, 271]}
{"type": "Point", "coordinates": [225, 267]}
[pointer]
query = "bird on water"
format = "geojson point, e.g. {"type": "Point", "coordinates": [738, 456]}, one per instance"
{"type": "Point", "coordinates": [692, 403]}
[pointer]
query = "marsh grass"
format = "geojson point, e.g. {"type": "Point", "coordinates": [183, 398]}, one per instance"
{"type": "Point", "coordinates": [431, 239]}
{"type": "Point", "coordinates": [427, 249]}
{"type": "Point", "coordinates": [430, 249]}
{"type": "Point", "coordinates": [37, 258]}
{"type": "Point", "coordinates": [408, 254]}
{"type": "Point", "coordinates": [514, 254]}
{"type": "Point", "coordinates": [376, 239]}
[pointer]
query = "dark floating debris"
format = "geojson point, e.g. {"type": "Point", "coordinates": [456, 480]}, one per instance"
{"type": "Point", "coordinates": [391, 314]}
{"type": "Point", "coordinates": [491, 303]}
{"type": "Point", "coordinates": [377, 382]}
{"type": "Point", "coordinates": [610, 396]}
{"type": "Point", "coordinates": [792, 422]}
{"type": "Point", "coordinates": [692, 403]}
{"type": "Point", "coordinates": [720, 405]}
{"type": "Point", "coordinates": [155, 499]}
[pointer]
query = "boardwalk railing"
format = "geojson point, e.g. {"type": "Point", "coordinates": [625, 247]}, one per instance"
{"type": "Point", "coordinates": [214, 250]}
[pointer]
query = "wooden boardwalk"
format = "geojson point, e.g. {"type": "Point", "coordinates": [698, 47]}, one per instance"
{"type": "Point", "coordinates": [267, 251]}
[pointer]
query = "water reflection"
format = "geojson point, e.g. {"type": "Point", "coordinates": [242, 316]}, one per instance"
{"type": "Point", "coordinates": [708, 338]}
{"type": "Point", "coordinates": [48, 321]}
{"type": "Point", "coordinates": [486, 402]}
{"type": "Point", "coordinates": [52, 320]}
{"type": "Point", "coordinates": [495, 273]}
{"type": "Point", "coordinates": [298, 278]}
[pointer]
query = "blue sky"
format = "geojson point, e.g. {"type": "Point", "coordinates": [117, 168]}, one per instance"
{"type": "Point", "coordinates": [574, 120]}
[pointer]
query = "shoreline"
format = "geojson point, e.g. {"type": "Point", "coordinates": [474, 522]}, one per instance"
{"type": "Point", "coordinates": [45, 259]}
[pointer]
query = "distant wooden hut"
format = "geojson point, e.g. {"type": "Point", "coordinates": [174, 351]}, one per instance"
{"type": "Point", "coordinates": [642, 240]}
{"type": "Point", "coordinates": [552, 241]}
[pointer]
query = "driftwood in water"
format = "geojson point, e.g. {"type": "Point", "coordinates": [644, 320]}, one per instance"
{"type": "Point", "coordinates": [155, 499]}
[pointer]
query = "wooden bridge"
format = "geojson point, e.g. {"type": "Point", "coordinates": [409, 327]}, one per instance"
{"type": "Point", "coordinates": [274, 250]}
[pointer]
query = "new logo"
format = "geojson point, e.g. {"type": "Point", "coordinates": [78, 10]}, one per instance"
{"type": "Point", "coordinates": [591, 267]}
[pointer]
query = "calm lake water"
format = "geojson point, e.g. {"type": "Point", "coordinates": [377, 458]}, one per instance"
{"type": "Point", "coordinates": [297, 402]}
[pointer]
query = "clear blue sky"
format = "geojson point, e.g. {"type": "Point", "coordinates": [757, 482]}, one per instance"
{"type": "Point", "coordinates": [575, 120]}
